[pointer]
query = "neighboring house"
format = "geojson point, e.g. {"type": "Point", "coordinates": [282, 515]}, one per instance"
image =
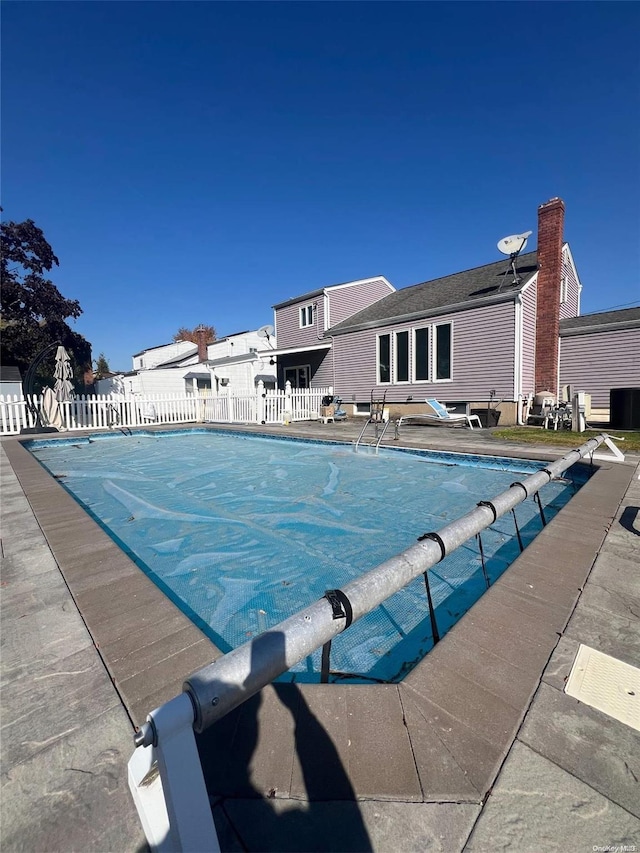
{"type": "Point", "coordinates": [236, 361]}
{"type": "Point", "coordinates": [302, 324]}
{"type": "Point", "coordinates": [241, 360]}
{"type": "Point", "coordinates": [464, 338]}
{"type": "Point", "coordinates": [601, 351]}
{"type": "Point", "coordinates": [10, 381]}
{"type": "Point", "coordinates": [163, 354]}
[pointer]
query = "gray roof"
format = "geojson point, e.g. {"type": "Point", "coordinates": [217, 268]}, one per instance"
{"type": "Point", "coordinates": [159, 346]}
{"type": "Point", "coordinates": [626, 318]}
{"type": "Point", "coordinates": [489, 283]}
{"type": "Point", "coordinates": [177, 359]}
{"type": "Point", "coordinates": [231, 359]}
{"type": "Point", "coordinates": [8, 373]}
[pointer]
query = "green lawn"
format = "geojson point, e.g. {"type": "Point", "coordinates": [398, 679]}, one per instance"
{"type": "Point", "coordinates": [565, 438]}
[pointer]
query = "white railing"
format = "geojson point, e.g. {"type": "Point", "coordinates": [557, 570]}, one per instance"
{"type": "Point", "coordinates": [113, 411]}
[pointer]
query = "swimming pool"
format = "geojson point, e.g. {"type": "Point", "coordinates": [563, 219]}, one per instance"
{"type": "Point", "coordinates": [241, 531]}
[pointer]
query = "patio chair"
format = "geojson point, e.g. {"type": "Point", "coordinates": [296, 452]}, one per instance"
{"type": "Point", "coordinates": [441, 415]}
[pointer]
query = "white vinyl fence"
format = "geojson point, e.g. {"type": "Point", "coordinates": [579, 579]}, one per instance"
{"type": "Point", "coordinates": [117, 411]}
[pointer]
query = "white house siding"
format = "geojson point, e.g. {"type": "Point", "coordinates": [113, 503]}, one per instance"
{"type": "Point", "coordinates": [149, 358]}
{"type": "Point", "coordinates": [529, 303]}
{"type": "Point", "coordinates": [598, 361]}
{"type": "Point", "coordinates": [571, 306]}
{"type": "Point", "coordinates": [169, 381]}
{"type": "Point", "coordinates": [241, 375]}
{"type": "Point", "coordinates": [238, 345]}
{"type": "Point", "coordinates": [483, 359]}
{"type": "Point", "coordinates": [344, 302]}
{"type": "Point", "coordinates": [112, 385]}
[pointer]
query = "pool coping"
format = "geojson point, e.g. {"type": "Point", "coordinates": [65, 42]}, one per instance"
{"type": "Point", "coordinates": [440, 735]}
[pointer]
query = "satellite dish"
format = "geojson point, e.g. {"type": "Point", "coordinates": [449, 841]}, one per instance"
{"type": "Point", "coordinates": [266, 332]}
{"type": "Point", "coordinates": [514, 244]}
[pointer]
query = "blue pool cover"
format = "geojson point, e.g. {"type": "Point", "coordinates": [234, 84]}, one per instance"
{"type": "Point", "coordinates": [242, 531]}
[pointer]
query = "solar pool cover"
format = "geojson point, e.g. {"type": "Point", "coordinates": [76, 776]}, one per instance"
{"type": "Point", "coordinates": [241, 531]}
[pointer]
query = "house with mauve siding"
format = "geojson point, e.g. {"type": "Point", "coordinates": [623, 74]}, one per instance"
{"type": "Point", "coordinates": [494, 332]}
{"type": "Point", "coordinates": [601, 351]}
{"type": "Point", "coordinates": [486, 333]}
{"type": "Point", "coordinates": [463, 338]}
{"type": "Point", "coordinates": [302, 326]}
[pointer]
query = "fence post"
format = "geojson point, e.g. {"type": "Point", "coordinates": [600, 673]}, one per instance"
{"type": "Point", "coordinates": [288, 404]}
{"type": "Point", "coordinates": [229, 405]}
{"type": "Point", "coordinates": [260, 402]}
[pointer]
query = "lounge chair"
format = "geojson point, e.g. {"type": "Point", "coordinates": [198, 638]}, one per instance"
{"type": "Point", "coordinates": [441, 415]}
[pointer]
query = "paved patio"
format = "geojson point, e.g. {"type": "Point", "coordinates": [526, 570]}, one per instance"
{"type": "Point", "coordinates": [90, 645]}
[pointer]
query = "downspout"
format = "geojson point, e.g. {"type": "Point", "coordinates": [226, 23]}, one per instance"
{"type": "Point", "coordinates": [323, 336]}
{"type": "Point", "coordinates": [517, 362]}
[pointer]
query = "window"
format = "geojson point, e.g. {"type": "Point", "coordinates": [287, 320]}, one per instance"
{"type": "Point", "coordinates": [402, 356]}
{"type": "Point", "coordinates": [306, 316]}
{"type": "Point", "coordinates": [197, 386]}
{"type": "Point", "coordinates": [384, 359]}
{"type": "Point", "coordinates": [298, 376]}
{"type": "Point", "coordinates": [442, 355]}
{"type": "Point", "coordinates": [564, 289]}
{"type": "Point", "coordinates": [421, 355]}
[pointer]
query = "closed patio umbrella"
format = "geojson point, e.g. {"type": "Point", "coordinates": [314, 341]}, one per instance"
{"type": "Point", "coordinates": [63, 374]}
{"type": "Point", "coordinates": [51, 409]}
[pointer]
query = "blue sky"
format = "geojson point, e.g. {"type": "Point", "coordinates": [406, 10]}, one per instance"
{"type": "Point", "coordinates": [199, 162]}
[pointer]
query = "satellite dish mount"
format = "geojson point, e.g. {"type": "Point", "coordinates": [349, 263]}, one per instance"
{"type": "Point", "coordinates": [266, 332]}
{"type": "Point", "coordinates": [512, 246]}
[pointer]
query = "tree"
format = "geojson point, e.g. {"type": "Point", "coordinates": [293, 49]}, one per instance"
{"type": "Point", "coordinates": [33, 312]}
{"type": "Point", "coordinates": [184, 334]}
{"type": "Point", "coordinates": [101, 370]}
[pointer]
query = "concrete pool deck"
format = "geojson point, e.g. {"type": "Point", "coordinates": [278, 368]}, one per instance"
{"type": "Point", "coordinates": [419, 758]}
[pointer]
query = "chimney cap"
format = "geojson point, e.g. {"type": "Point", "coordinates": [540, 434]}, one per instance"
{"type": "Point", "coordinates": [555, 202]}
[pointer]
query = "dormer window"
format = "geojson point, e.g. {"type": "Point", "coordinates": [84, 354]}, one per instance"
{"type": "Point", "coordinates": [306, 316]}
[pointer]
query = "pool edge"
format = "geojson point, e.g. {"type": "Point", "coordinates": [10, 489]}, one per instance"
{"type": "Point", "coordinates": [406, 741]}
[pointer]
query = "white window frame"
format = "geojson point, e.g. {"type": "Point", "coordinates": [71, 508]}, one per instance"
{"type": "Point", "coordinates": [564, 290]}
{"type": "Point", "coordinates": [378, 379]}
{"type": "Point", "coordinates": [434, 353]}
{"type": "Point", "coordinates": [397, 381]}
{"type": "Point", "coordinates": [306, 316]}
{"type": "Point", "coordinates": [414, 350]}
{"type": "Point", "coordinates": [362, 410]}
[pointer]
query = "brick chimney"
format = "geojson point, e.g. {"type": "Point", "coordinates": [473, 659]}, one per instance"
{"type": "Point", "coordinates": [201, 340]}
{"type": "Point", "coordinates": [550, 237]}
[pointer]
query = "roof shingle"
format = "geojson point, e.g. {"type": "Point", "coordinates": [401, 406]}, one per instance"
{"type": "Point", "coordinates": [622, 319]}
{"type": "Point", "coordinates": [471, 286]}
